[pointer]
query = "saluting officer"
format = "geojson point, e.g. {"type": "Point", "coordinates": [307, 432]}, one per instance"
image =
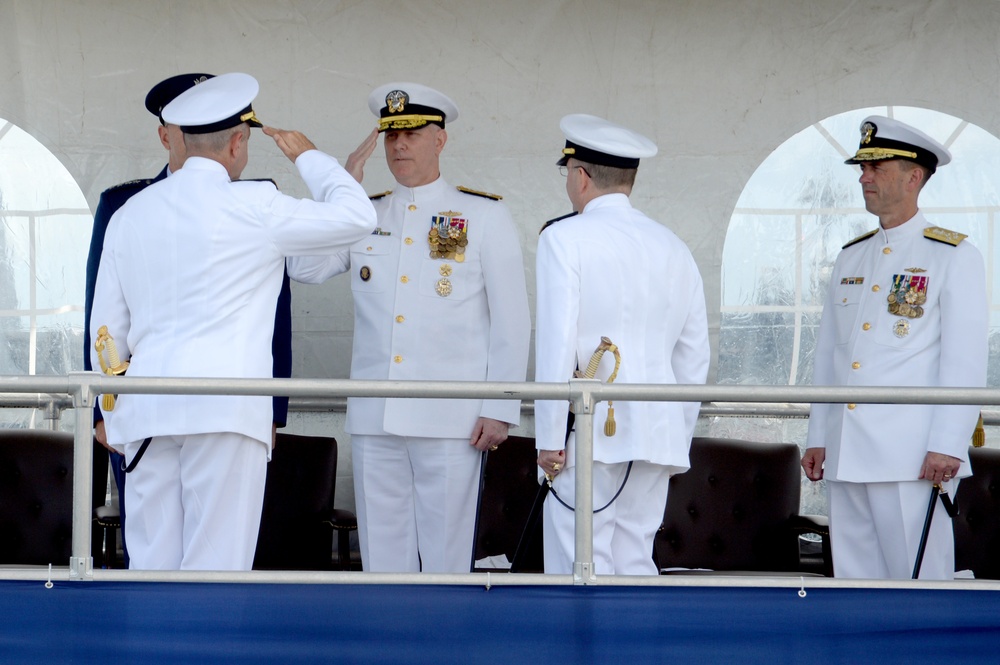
{"type": "Point", "coordinates": [611, 271]}
{"type": "Point", "coordinates": [189, 277]}
{"type": "Point", "coordinates": [906, 306]}
{"type": "Point", "coordinates": [439, 294]}
{"type": "Point", "coordinates": [114, 198]}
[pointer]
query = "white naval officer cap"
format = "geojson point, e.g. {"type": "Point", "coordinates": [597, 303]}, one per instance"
{"type": "Point", "coordinates": [885, 138]}
{"type": "Point", "coordinates": [410, 106]}
{"type": "Point", "coordinates": [218, 103]}
{"type": "Point", "coordinates": [599, 141]}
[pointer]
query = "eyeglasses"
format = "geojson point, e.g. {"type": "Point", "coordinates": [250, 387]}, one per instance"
{"type": "Point", "coordinates": [564, 170]}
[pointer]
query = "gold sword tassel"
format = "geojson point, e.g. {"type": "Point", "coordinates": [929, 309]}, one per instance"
{"type": "Point", "coordinates": [610, 427]}
{"type": "Point", "coordinates": [113, 367]}
{"type": "Point", "coordinates": [979, 434]}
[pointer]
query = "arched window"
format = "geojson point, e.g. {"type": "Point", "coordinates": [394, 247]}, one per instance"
{"type": "Point", "coordinates": [44, 237]}
{"type": "Point", "coordinates": [797, 210]}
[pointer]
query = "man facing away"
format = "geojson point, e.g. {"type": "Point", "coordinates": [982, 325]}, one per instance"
{"type": "Point", "coordinates": [114, 198]}
{"type": "Point", "coordinates": [610, 271]}
{"type": "Point", "coordinates": [189, 277]}
{"type": "Point", "coordinates": [906, 306]}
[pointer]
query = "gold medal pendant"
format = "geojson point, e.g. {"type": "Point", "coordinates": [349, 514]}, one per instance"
{"type": "Point", "coordinates": [443, 287]}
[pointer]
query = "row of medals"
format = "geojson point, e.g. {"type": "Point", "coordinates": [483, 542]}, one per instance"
{"type": "Point", "coordinates": [909, 305]}
{"type": "Point", "coordinates": [452, 247]}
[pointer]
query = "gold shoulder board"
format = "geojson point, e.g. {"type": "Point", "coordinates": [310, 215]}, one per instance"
{"type": "Point", "coordinates": [944, 235]}
{"type": "Point", "coordinates": [863, 236]}
{"type": "Point", "coordinates": [380, 195]}
{"type": "Point", "coordinates": [485, 195]}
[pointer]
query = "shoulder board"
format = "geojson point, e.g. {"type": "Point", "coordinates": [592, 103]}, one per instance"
{"type": "Point", "coordinates": [944, 235]}
{"type": "Point", "coordinates": [553, 221]}
{"type": "Point", "coordinates": [270, 180]}
{"type": "Point", "coordinates": [863, 236]}
{"type": "Point", "coordinates": [131, 184]}
{"type": "Point", "coordinates": [485, 195]}
{"type": "Point", "coordinates": [380, 195]}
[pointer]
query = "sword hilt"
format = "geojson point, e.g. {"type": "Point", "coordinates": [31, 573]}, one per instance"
{"type": "Point", "coordinates": [113, 367]}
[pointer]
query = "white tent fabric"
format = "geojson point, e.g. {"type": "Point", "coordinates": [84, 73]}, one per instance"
{"type": "Point", "coordinates": [718, 85]}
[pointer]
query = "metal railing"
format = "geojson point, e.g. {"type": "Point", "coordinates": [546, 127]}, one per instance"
{"type": "Point", "coordinates": [83, 388]}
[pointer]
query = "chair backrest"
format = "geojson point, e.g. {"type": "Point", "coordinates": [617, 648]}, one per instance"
{"type": "Point", "coordinates": [508, 488]}
{"type": "Point", "coordinates": [977, 525]}
{"type": "Point", "coordinates": [36, 495]}
{"type": "Point", "coordinates": [731, 510]}
{"type": "Point", "coordinates": [298, 498]}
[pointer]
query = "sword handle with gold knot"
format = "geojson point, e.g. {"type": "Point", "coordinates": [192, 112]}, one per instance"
{"type": "Point", "coordinates": [610, 427]}
{"type": "Point", "coordinates": [113, 367]}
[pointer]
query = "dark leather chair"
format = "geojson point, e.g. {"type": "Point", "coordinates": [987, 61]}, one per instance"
{"type": "Point", "coordinates": [508, 487]}
{"type": "Point", "coordinates": [298, 519]}
{"type": "Point", "coordinates": [977, 525]}
{"type": "Point", "coordinates": [737, 510]}
{"type": "Point", "coordinates": [36, 496]}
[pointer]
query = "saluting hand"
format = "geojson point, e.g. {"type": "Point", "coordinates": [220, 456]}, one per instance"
{"type": "Point", "coordinates": [290, 142]}
{"type": "Point", "coordinates": [355, 164]}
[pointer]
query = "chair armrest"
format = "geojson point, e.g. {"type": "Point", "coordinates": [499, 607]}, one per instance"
{"type": "Point", "coordinates": [107, 516]}
{"type": "Point", "coordinates": [342, 520]}
{"type": "Point", "coordinates": [820, 526]}
{"type": "Point", "coordinates": [817, 524]}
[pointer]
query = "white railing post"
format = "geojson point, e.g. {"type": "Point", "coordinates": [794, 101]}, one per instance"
{"type": "Point", "coordinates": [81, 562]}
{"type": "Point", "coordinates": [583, 407]}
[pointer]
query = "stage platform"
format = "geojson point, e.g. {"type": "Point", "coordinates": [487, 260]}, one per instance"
{"type": "Point", "coordinates": [383, 620]}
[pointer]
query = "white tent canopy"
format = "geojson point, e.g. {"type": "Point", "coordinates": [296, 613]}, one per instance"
{"type": "Point", "coordinates": [718, 85]}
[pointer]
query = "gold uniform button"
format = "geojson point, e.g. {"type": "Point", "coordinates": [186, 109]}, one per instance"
{"type": "Point", "coordinates": [411, 207]}
{"type": "Point", "coordinates": [875, 288]}
{"type": "Point", "coordinates": [851, 407]}
{"type": "Point", "coordinates": [856, 365]}
{"type": "Point", "coordinates": [404, 279]}
{"type": "Point", "coordinates": [409, 241]}
{"type": "Point", "coordinates": [369, 249]}
{"type": "Point", "coordinates": [866, 326]}
{"type": "Point", "coordinates": [400, 318]}
{"type": "Point", "coordinates": [886, 250]}
{"type": "Point", "coordinates": [398, 359]}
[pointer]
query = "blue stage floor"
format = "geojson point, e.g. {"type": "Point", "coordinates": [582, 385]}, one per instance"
{"type": "Point", "coordinates": [182, 622]}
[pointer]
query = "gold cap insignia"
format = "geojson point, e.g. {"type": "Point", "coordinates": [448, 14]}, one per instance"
{"type": "Point", "coordinates": [867, 131]}
{"type": "Point", "coordinates": [396, 101]}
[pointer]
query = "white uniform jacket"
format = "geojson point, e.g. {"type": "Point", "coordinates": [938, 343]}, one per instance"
{"type": "Point", "coordinates": [611, 271]}
{"type": "Point", "coordinates": [417, 317]}
{"type": "Point", "coordinates": [862, 343]}
{"type": "Point", "coordinates": [191, 269]}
